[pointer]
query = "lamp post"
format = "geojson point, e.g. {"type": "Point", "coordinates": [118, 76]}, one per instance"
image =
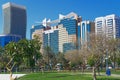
{"type": "Point", "coordinates": [108, 72]}
{"type": "Point", "coordinates": [106, 59]}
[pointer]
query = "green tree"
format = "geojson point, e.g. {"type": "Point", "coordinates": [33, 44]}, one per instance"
{"type": "Point", "coordinates": [95, 50]}
{"type": "Point", "coordinates": [113, 50]}
{"type": "Point", "coordinates": [74, 58]}
{"type": "Point", "coordinates": [118, 57]}
{"type": "Point", "coordinates": [31, 52]}
{"type": "Point", "coordinates": [3, 59]}
{"type": "Point", "coordinates": [13, 52]}
{"type": "Point", "coordinates": [60, 58]}
{"type": "Point", "coordinates": [49, 57]}
{"type": "Point", "coordinates": [24, 50]}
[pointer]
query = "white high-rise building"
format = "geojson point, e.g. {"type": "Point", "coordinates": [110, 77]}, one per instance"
{"type": "Point", "coordinates": [108, 26]}
{"type": "Point", "coordinates": [99, 25]}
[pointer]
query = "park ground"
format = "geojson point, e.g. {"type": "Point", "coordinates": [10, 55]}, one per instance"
{"type": "Point", "coordinates": [69, 75]}
{"type": "Point", "coordinates": [62, 75]}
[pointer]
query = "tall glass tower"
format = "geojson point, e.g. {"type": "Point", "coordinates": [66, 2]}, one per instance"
{"type": "Point", "coordinates": [71, 27]}
{"type": "Point", "coordinates": [14, 19]}
{"type": "Point", "coordinates": [87, 27]}
{"type": "Point", "coordinates": [50, 38]}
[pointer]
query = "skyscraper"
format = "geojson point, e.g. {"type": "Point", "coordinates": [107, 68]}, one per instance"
{"type": "Point", "coordinates": [70, 25]}
{"type": "Point", "coordinates": [61, 37]}
{"type": "Point", "coordinates": [14, 19]}
{"type": "Point", "coordinates": [84, 30]}
{"type": "Point", "coordinates": [112, 26]}
{"type": "Point", "coordinates": [108, 26]}
{"type": "Point", "coordinates": [99, 25]}
{"type": "Point", "coordinates": [87, 27]}
{"type": "Point", "coordinates": [50, 38]}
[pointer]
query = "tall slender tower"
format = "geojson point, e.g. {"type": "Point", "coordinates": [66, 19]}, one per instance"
{"type": "Point", "coordinates": [14, 19]}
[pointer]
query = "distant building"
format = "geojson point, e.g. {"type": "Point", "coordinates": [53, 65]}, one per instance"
{"type": "Point", "coordinates": [62, 36]}
{"type": "Point", "coordinates": [70, 25]}
{"type": "Point", "coordinates": [15, 19]}
{"type": "Point", "coordinates": [51, 39]}
{"type": "Point", "coordinates": [85, 28]}
{"type": "Point", "coordinates": [100, 25]}
{"type": "Point", "coordinates": [36, 30]}
{"type": "Point", "coordinates": [108, 26]}
{"type": "Point", "coordinates": [6, 38]}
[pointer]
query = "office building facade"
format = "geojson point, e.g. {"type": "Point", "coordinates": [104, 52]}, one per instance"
{"type": "Point", "coordinates": [37, 30]}
{"type": "Point", "coordinates": [6, 38]}
{"type": "Point", "coordinates": [63, 36]}
{"type": "Point", "coordinates": [50, 38]}
{"type": "Point", "coordinates": [15, 20]}
{"type": "Point", "coordinates": [58, 39]}
{"type": "Point", "coordinates": [108, 26]}
{"type": "Point", "coordinates": [100, 25]}
{"type": "Point", "coordinates": [71, 27]}
{"type": "Point", "coordinates": [85, 28]}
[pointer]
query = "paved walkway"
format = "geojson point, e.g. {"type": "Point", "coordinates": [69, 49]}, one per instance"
{"type": "Point", "coordinates": [7, 76]}
{"type": "Point", "coordinates": [115, 75]}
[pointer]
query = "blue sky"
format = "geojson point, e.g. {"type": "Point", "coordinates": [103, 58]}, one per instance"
{"type": "Point", "coordinates": [37, 10]}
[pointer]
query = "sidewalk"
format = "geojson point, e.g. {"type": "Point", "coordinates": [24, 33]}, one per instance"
{"type": "Point", "coordinates": [7, 76]}
{"type": "Point", "coordinates": [103, 74]}
{"type": "Point", "coordinates": [115, 75]}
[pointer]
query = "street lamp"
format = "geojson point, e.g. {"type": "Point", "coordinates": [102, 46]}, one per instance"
{"type": "Point", "coordinates": [108, 72]}
{"type": "Point", "coordinates": [106, 59]}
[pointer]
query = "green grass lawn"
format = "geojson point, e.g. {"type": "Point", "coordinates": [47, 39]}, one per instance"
{"type": "Point", "coordinates": [63, 76]}
{"type": "Point", "coordinates": [115, 71]}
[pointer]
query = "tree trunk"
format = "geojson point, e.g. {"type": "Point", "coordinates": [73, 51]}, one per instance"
{"type": "Point", "coordinates": [98, 69]}
{"type": "Point", "coordinates": [114, 60]}
{"type": "Point", "coordinates": [11, 78]}
{"type": "Point", "coordinates": [83, 67]}
{"type": "Point", "coordinates": [94, 74]}
{"type": "Point", "coordinates": [9, 68]}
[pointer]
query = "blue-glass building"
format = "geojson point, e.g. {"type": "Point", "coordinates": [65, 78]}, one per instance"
{"type": "Point", "coordinates": [35, 27]}
{"type": "Point", "coordinates": [85, 27]}
{"type": "Point", "coordinates": [70, 25]}
{"type": "Point", "coordinates": [45, 40]}
{"type": "Point", "coordinates": [5, 39]}
{"type": "Point", "coordinates": [79, 36]}
{"type": "Point", "coordinates": [68, 47]}
{"type": "Point", "coordinates": [62, 36]}
{"type": "Point", "coordinates": [51, 40]}
{"type": "Point", "coordinates": [54, 38]}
